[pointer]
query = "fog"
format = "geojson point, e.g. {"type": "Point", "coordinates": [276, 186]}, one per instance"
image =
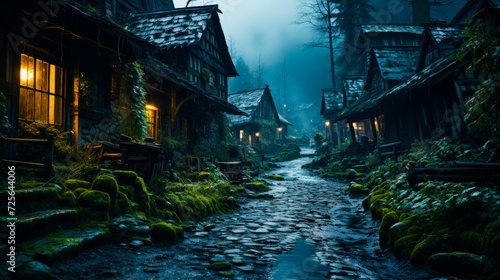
{"type": "Point", "coordinates": [264, 35]}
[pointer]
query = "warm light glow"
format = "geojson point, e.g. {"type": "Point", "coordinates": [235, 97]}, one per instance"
{"type": "Point", "coordinates": [151, 107]}
{"type": "Point", "coordinates": [327, 123]}
{"type": "Point", "coordinates": [280, 129]}
{"type": "Point", "coordinates": [257, 134]}
{"type": "Point", "coordinates": [25, 74]}
{"type": "Point", "coordinates": [242, 133]}
{"type": "Point", "coordinates": [355, 126]}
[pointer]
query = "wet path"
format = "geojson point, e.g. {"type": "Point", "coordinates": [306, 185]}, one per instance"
{"type": "Point", "coordinates": [310, 230]}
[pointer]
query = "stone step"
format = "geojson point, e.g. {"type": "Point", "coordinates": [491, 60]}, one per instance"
{"type": "Point", "coordinates": [63, 243]}
{"type": "Point", "coordinates": [35, 224]}
{"type": "Point", "coordinates": [34, 199]}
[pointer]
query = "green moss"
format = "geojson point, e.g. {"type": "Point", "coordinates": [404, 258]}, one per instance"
{"type": "Point", "coordinates": [79, 191]}
{"type": "Point", "coordinates": [404, 246]}
{"type": "Point", "coordinates": [490, 245]}
{"type": "Point", "coordinates": [388, 220]}
{"type": "Point", "coordinates": [95, 204]}
{"type": "Point", "coordinates": [124, 206]}
{"type": "Point", "coordinates": [73, 184]}
{"type": "Point", "coordinates": [220, 266]}
{"type": "Point", "coordinates": [257, 186]}
{"type": "Point", "coordinates": [140, 193]}
{"type": "Point", "coordinates": [275, 177]}
{"type": "Point", "coordinates": [429, 246]}
{"type": "Point", "coordinates": [203, 175]}
{"type": "Point", "coordinates": [68, 199]}
{"type": "Point", "coordinates": [163, 232]}
{"type": "Point", "coordinates": [355, 189]}
{"type": "Point", "coordinates": [107, 184]}
{"type": "Point", "coordinates": [470, 241]}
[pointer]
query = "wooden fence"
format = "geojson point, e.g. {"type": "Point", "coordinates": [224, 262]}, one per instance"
{"type": "Point", "coordinates": [45, 163]}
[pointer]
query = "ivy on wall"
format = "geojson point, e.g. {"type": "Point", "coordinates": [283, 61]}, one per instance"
{"type": "Point", "coordinates": [132, 103]}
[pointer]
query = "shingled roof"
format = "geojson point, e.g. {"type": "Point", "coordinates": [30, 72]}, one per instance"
{"type": "Point", "coordinates": [172, 28]}
{"type": "Point", "coordinates": [246, 101]}
{"type": "Point", "coordinates": [391, 28]}
{"type": "Point", "coordinates": [353, 87]}
{"type": "Point", "coordinates": [331, 101]}
{"type": "Point", "coordinates": [396, 63]}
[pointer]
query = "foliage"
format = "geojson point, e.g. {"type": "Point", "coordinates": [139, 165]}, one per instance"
{"type": "Point", "coordinates": [133, 101]}
{"type": "Point", "coordinates": [244, 81]}
{"type": "Point", "coordinates": [215, 147]}
{"type": "Point", "coordinates": [87, 90]}
{"type": "Point", "coordinates": [4, 120]}
{"type": "Point", "coordinates": [40, 130]}
{"type": "Point", "coordinates": [482, 52]}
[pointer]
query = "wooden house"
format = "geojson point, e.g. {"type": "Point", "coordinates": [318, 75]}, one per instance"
{"type": "Point", "coordinates": [60, 66]}
{"type": "Point", "coordinates": [262, 122]}
{"type": "Point", "coordinates": [331, 104]}
{"type": "Point", "coordinates": [188, 76]}
{"type": "Point", "coordinates": [388, 67]}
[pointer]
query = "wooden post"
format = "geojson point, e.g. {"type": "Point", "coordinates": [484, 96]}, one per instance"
{"type": "Point", "coordinates": [374, 129]}
{"type": "Point", "coordinates": [49, 157]}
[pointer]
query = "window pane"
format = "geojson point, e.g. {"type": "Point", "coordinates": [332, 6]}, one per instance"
{"type": "Point", "coordinates": [45, 107]}
{"type": "Point", "coordinates": [38, 106]}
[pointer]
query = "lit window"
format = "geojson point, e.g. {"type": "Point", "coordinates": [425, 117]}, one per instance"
{"type": "Point", "coordinates": [41, 91]}
{"type": "Point", "coordinates": [152, 120]}
{"type": "Point", "coordinates": [242, 133]}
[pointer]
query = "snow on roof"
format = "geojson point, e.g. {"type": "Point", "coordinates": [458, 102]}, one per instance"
{"type": "Point", "coordinates": [332, 100]}
{"type": "Point", "coordinates": [448, 34]}
{"type": "Point", "coordinates": [397, 63]}
{"type": "Point", "coordinates": [172, 28]}
{"type": "Point", "coordinates": [246, 101]}
{"type": "Point", "coordinates": [390, 28]}
{"type": "Point", "coordinates": [283, 120]}
{"type": "Point", "coordinates": [353, 87]}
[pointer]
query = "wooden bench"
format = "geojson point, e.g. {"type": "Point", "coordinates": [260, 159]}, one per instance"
{"type": "Point", "coordinates": [233, 170]}
{"type": "Point", "coordinates": [47, 161]}
{"type": "Point", "coordinates": [481, 173]}
{"type": "Point", "coordinates": [389, 150]}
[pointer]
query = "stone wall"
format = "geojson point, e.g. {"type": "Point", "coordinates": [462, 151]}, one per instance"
{"type": "Point", "coordinates": [108, 128]}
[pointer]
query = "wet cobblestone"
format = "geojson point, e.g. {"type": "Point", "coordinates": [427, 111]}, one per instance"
{"type": "Point", "coordinates": [310, 230]}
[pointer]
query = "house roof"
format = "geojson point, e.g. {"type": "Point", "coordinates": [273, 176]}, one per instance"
{"type": "Point", "coordinates": [155, 67]}
{"type": "Point", "coordinates": [283, 120]}
{"type": "Point", "coordinates": [353, 87]}
{"type": "Point", "coordinates": [331, 100]}
{"type": "Point", "coordinates": [396, 63]}
{"type": "Point", "coordinates": [447, 34]}
{"type": "Point", "coordinates": [182, 27]}
{"type": "Point", "coordinates": [432, 73]}
{"type": "Point", "coordinates": [248, 101]}
{"type": "Point", "coordinates": [172, 28]}
{"type": "Point", "coordinates": [391, 28]}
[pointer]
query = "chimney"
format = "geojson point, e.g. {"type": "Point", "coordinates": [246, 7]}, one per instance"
{"type": "Point", "coordinates": [421, 12]}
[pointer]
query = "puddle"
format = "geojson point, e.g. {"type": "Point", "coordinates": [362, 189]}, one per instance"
{"type": "Point", "coordinates": [300, 264]}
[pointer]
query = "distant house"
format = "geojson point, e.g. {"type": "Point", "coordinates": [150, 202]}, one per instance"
{"type": "Point", "coordinates": [188, 75]}
{"type": "Point", "coordinates": [331, 104]}
{"type": "Point", "coordinates": [262, 122]}
{"type": "Point", "coordinates": [388, 67]}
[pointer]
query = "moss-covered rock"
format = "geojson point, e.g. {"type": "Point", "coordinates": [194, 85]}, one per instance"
{"type": "Point", "coordinates": [220, 266]}
{"type": "Point", "coordinates": [124, 206]}
{"type": "Point", "coordinates": [404, 245]}
{"type": "Point", "coordinates": [355, 190]}
{"type": "Point", "coordinates": [34, 270]}
{"type": "Point", "coordinates": [275, 177]}
{"type": "Point", "coordinates": [257, 186]}
{"type": "Point", "coordinates": [470, 241]}
{"type": "Point", "coordinates": [107, 184]}
{"type": "Point", "coordinates": [388, 220]}
{"type": "Point", "coordinates": [73, 184]}
{"type": "Point", "coordinates": [163, 232]}
{"type": "Point", "coordinates": [490, 245]}
{"type": "Point", "coordinates": [67, 199]}
{"type": "Point", "coordinates": [95, 204]}
{"type": "Point", "coordinates": [203, 175]}
{"type": "Point", "coordinates": [427, 247]}
{"type": "Point", "coordinates": [140, 193]}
